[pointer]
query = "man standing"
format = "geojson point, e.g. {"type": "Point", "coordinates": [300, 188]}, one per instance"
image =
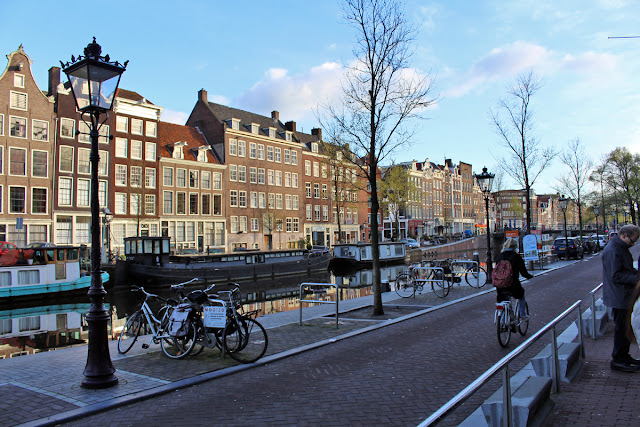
{"type": "Point", "coordinates": [619, 278]}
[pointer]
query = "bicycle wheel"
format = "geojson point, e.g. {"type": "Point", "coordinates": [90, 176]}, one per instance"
{"type": "Point", "coordinates": [130, 332]}
{"type": "Point", "coordinates": [472, 275]}
{"type": "Point", "coordinates": [248, 340]}
{"type": "Point", "coordinates": [179, 347]}
{"type": "Point", "coordinates": [200, 337]}
{"type": "Point", "coordinates": [440, 285]}
{"type": "Point", "coordinates": [523, 325]}
{"type": "Point", "coordinates": [405, 285]}
{"type": "Point", "coordinates": [504, 329]}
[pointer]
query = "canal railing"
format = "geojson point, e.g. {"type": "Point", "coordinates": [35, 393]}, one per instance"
{"type": "Point", "coordinates": [318, 289]}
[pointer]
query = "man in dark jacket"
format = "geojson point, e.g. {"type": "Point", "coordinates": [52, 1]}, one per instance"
{"type": "Point", "coordinates": [619, 278]}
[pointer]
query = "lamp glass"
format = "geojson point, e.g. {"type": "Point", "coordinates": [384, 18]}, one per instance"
{"type": "Point", "coordinates": [94, 84]}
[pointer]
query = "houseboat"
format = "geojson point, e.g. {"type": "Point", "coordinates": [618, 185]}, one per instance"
{"type": "Point", "coordinates": [148, 261]}
{"type": "Point", "coordinates": [361, 254]}
{"type": "Point", "coordinates": [41, 271]}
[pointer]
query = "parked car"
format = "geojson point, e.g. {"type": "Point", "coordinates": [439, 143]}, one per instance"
{"type": "Point", "coordinates": [467, 233]}
{"type": "Point", "coordinates": [601, 238]}
{"type": "Point", "coordinates": [572, 248]}
{"type": "Point", "coordinates": [33, 245]}
{"type": "Point", "coordinates": [410, 243]}
{"type": "Point", "coordinates": [6, 247]}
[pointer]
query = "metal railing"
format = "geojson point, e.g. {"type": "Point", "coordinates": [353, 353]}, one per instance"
{"type": "Point", "coordinates": [503, 365]}
{"type": "Point", "coordinates": [317, 289]}
{"type": "Point", "coordinates": [594, 332]}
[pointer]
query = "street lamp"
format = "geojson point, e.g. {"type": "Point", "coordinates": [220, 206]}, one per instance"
{"type": "Point", "coordinates": [485, 181]}
{"type": "Point", "coordinates": [614, 218]}
{"type": "Point", "coordinates": [596, 211]}
{"type": "Point", "coordinates": [564, 203]}
{"type": "Point", "coordinates": [94, 81]}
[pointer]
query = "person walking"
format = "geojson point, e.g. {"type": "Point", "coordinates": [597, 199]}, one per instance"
{"type": "Point", "coordinates": [510, 253]}
{"type": "Point", "coordinates": [619, 278]}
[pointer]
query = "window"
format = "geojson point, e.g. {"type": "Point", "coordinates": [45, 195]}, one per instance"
{"type": "Point", "coordinates": [64, 191]}
{"type": "Point", "coordinates": [217, 181]}
{"type": "Point", "coordinates": [296, 203]}
{"type": "Point", "coordinates": [136, 149]}
{"type": "Point", "coordinates": [254, 200]}
{"type": "Point", "coordinates": [317, 212]}
{"type": "Point", "coordinates": [122, 124]}
{"type": "Point", "coordinates": [181, 178]}
{"type": "Point", "coordinates": [324, 171]}
{"type": "Point", "coordinates": [270, 154]}
{"type": "Point", "coordinates": [260, 151]}
{"type": "Point", "coordinates": [243, 224]}
{"type": "Point", "coordinates": [217, 204]}
{"type": "Point", "coordinates": [289, 225]}
{"type": "Point", "coordinates": [18, 100]}
{"type": "Point", "coordinates": [17, 200]}
{"type": "Point", "coordinates": [167, 203]}
{"type": "Point", "coordinates": [83, 129]}
{"type": "Point", "coordinates": [150, 177]}
{"type": "Point", "coordinates": [242, 149]}
{"type": "Point", "coordinates": [242, 174]}
{"type": "Point", "coordinates": [233, 172]}
{"type": "Point", "coordinates": [177, 152]}
{"type": "Point", "coordinates": [314, 147]}
{"type": "Point", "coordinates": [136, 177]}
{"type": "Point", "coordinates": [39, 164]}
{"type": "Point", "coordinates": [279, 178]}
{"type": "Point", "coordinates": [1, 124]}
{"type": "Point", "coordinates": [325, 213]}
{"type": "Point", "coordinates": [288, 136]}
{"type": "Point", "coordinates": [149, 204]}
{"type": "Point", "coordinates": [253, 175]}
{"type": "Point", "coordinates": [120, 204]}
{"type": "Point", "coordinates": [233, 198]}
{"type": "Point", "coordinates": [202, 154]}
{"type": "Point", "coordinates": [294, 180]}
{"type": "Point", "coordinates": [17, 161]}
{"type": "Point", "coordinates": [103, 134]}
{"type": "Point", "coordinates": [294, 157]}
{"type": "Point", "coordinates": [167, 177]}
{"type": "Point", "coordinates": [307, 187]}
{"type": "Point", "coordinates": [242, 199]}
{"type": "Point", "coordinates": [103, 162]}
{"type": "Point", "coordinates": [278, 158]}
{"type": "Point", "coordinates": [233, 147]}
{"type": "Point", "coordinates": [278, 201]}
{"type": "Point", "coordinates": [296, 225]}
{"type": "Point", "coordinates": [193, 204]}
{"type": "Point", "coordinates": [38, 200]}
{"type": "Point", "coordinates": [271, 174]}
{"type": "Point", "coordinates": [309, 212]}
{"type": "Point", "coordinates": [325, 192]}
{"type": "Point", "coordinates": [307, 167]}
{"type": "Point", "coordinates": [272, 200]}
{"type": "Point", "coordinates": [152, 128]}
{"type": "Point", "coordinates": [18, 127]}
{"type": "Point", "coordinates": [253, 150]}
{"type": "Point", "coordinates": [121, 175]}
{"type": "Point", "coordinates": [150, 151]}
{"type": "Point", "coordinates": [287, 156]}
{"type": "Point", "coordinates": [18, 80]}
{"type": "Point", "coordinates": [39, 130]}
{"type": "Point", "coordinates": [206, 180]}
{"type": "Point", "coordinates": [262, 200]}
{"type": "Point", "coordinates": [193, 179]}
{"type": "Point", "coordinates": [261, 176]}
{"type": "Point", "coordinates": [316, 169]}
{"type": "Point", "coordinates": [316, 190]}
{"type": "Point", "coordinates": [206, 204]}
{"type": "Point", "coordinates": [235, 124]}
{"type": "Point", "coordinates": [83, 192]}
{"type": "Point", "coordinates": [66, 158]}
{"type": "Point", "coordinates": [181, 203]}
{"type": "Point", "coordinates": [84, 166]}
{"type": "Point", "coordinates": [67, 128]}
{"type": "Point", "coordinates": [121, 148]}
{"type": "Point", "coordinates": [287, 202]}
{"type": "Point", "coordinates": [136, 126]}
{"type": "Point", "coordinates": [255, 225]}
{"type": "Point", "coordinates": [287, 179]}
{"type": "Point", "coordinates": [234, 224]}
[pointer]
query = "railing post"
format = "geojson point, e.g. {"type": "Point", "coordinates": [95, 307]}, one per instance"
{"type": "Point", "coordinates": [555, 363]}
{"type": "Point", "coordinates": [580, 333]}
{"type": "Point", "coordinates": [594, 333]}
{"type": "Point", "coordinates": [507, 410]}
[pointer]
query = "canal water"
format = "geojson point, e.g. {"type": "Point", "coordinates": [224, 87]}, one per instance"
{"type": "Point", "coordinates": [58, 322]}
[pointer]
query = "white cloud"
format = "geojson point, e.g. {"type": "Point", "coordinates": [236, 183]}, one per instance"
{"type": "Point", "coordinates": [177, 117]}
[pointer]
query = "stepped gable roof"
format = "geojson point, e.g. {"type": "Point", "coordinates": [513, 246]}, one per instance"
{"type": "Point", "coordinates": [131, 95]}
{"type": "Point", "coordinates": [170, 133]}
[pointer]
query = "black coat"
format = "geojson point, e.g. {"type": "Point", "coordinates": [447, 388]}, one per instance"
{"type": "Point", "coordinates": [519, 268]}
{"type": "Point", "coordinates": [618, 275]}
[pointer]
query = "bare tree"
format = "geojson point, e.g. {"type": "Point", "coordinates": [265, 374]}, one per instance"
{"type": "Point", "coordinates": [380, 97]}
{"type": "Point", "coordinates": [574, 182]}
{"type": "Point", "coordinates": [513, 122]}
{"type": "Point", "coordinates": [394, 192]}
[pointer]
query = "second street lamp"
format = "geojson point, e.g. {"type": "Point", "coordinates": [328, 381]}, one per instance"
{"type": "Point", "coordinates": [596, 211]}
{"type": "Point", "coordinates": [94, 81]}
{"type": "Point", "coordinates": [564, 203]}
{"type": "Point", "coordinates": [485, 181]}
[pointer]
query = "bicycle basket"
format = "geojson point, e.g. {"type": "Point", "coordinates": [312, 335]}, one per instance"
{"type": "Point", "coordinates": [198, 297]}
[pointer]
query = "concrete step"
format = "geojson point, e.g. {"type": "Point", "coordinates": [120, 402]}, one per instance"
{"type": "Point", "coordinates": [568, 356]}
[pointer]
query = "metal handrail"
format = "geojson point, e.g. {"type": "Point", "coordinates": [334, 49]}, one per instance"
{"type": "Point", "coordinates": [320, 287]}
{"type": "Point", "coordinates": [503, 363]}
{"type": "Point", "coordinates": [594, 333]}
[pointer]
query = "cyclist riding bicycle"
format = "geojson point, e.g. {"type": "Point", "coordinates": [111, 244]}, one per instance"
{"type": "Point", "coordinates": [510, 254]}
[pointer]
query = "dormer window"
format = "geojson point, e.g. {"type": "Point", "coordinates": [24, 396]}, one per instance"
{"type": "Point", "coordinates": [234, 123]}
{"type": "Point", "coordinates": [289, 137]}
{"type": "Point", "coordinates": [202, 153]}
{"type": "Point", "coordinates": [255, 128]}
{"type": "Point", "coordinates": [272, 132]}
{"type": "Point", "coordinates": [178, 153]}
{"type": "Point", "coordinates": [314, 147]}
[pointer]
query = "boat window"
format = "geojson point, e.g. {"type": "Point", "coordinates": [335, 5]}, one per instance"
{"type": "Point", "coordinates": [398, 250]}
{"type": "Point", "coordinates": [72, 254]}
{"type": "Point", "coordinates": [28, 277]}
{"type": "Point", "coordinates": [165, 246]}
{"type": "Point", "coordinates": [60, 255]}
{"type": "Point", "coordinates": [6, 326]}
{"type": "Point", "coordinates": [139, 249]}
{"type": "Point", "coordinates": [5, 279]}
{"type": "Point", "coordinates": [148, 246]}
{"type": "Point", "coordinates": [388, 250]}
{"type": "Point", "coordinates": [260, 258]}
{"type": "Point", "coordinates": [249, 259]}
{"type": "Point", "coordinates": [127, 247]}
{"type": "Point", "coordinates": [156, 246]}
{"type": "Point", "coordinates": [50, 255]}
{"type": "Point", "coordinates": [31, 323]}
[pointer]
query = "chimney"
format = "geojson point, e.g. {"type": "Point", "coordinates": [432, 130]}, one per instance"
{"type": "Point", "coordinates": [54, 80]}
{"type": "Point", "coordinates": [290, 126]}
{"type": "Point", "coordinates": [317, 132]}
{"type": "Point", "coordinates": [275, 116]}
{"type": "Point", "coordinates": [202, 95]}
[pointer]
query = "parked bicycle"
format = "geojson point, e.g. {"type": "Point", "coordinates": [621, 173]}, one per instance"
{"type": "Point", "coordinates": [507, 320]}
{"type": "Point", "coordinates": [143, 321]}
{"type": "Point", "coordinates": [418, 276]}
{"type": "Point", "coordinates": [456, 269]}
{"type": "Point", "coordinates": [223, 324]}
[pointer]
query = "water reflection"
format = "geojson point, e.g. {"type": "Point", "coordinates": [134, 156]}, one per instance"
{"type": "Point", "coordinates": [28, 328]}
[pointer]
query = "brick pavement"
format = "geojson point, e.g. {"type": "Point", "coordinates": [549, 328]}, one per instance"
{"type": "Point", "coordinates": [415, 375]}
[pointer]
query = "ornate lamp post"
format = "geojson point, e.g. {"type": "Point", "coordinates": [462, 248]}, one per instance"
{"type": "Point", "coordinates": [485, 181]}
{"type": "Point", "coordinates": [564, 203]}
{"type": "Point", "coordinates": [596, 211]}
{"type": "Point", "coordinates": [94, 81]}
{"type": "Point", "coordinates": [614, 218]}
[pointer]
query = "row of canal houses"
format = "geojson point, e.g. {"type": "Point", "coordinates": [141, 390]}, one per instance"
{"type": "Point", "coordinates": [228, 178]}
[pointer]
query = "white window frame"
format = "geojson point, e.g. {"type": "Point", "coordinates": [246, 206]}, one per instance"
{"type": "Point", "coordinates": [151, 129]}
{"type": "Point", "coordinates": [18, 100]}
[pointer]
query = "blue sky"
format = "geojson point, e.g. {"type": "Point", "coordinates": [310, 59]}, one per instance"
{"type": "Point", "coordinates": [288, 55]}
